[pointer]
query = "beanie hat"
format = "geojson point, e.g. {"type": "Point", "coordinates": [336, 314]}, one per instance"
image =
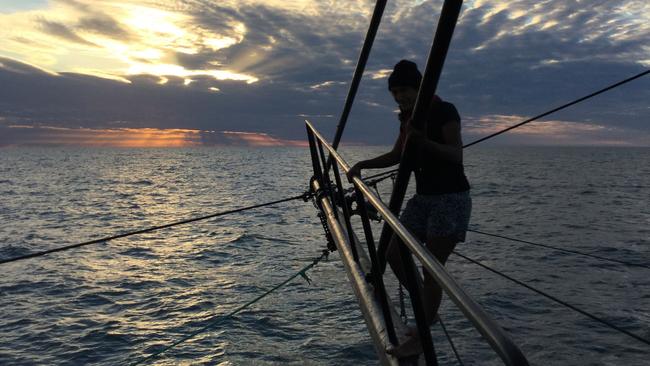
{"type": "Point", "coordinates": [405, 73]}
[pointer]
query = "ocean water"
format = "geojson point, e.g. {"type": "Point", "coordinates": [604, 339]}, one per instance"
{"type": "Point", "coordinates": [113, 303]}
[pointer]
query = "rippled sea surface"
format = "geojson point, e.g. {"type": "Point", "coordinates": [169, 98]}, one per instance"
{"type": "Point", "coordinates": [116, 302]}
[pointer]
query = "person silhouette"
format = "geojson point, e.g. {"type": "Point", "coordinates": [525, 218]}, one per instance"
{"type": "Point", "coordinates": [438, 214]}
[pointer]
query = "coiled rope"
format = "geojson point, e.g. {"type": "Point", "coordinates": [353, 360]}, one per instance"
{"type": "Point", "coordinates": [218, 319]}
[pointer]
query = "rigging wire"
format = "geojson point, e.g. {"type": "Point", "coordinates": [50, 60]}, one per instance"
{"type": "Point", "coordinates": [388, 173]}
{"type": "Point", "coordinates": [555, 299]}
{"type": "Point", "coordinates": [612, 86]}
{"type": "Point", "coordinates": [219, 318]}
{"type": "Point", "coordinates": [303, 196]}
{"type": "Point", "coordinates": [383, 175]}
{"type": "Point", "coordinates": [451, 343]}
{"type": "Point", "coordinates": [561, 249]}
{"type": "Point", "coordinates": [560, 107]}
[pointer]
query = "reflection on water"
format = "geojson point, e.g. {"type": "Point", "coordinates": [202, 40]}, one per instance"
{"type": "Point", "coordinates": [117, 301]}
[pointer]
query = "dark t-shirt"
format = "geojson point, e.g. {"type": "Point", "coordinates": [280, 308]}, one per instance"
{"type": "Point", "coordinates": [434, 175]}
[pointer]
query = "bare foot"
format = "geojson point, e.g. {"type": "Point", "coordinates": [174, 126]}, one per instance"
{"type": "Point", "coordinates": [410, 347]}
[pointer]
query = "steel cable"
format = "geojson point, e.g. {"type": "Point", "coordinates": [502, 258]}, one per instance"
{"type": "Point", "coordinates": [555, 299]}
{"type": "Point", "coordinates": [393, 171]}
{"type": "Point", "coordinates": [451, 343]}
{"type": "Point", "coordinates": [305, 196]}
{"type": "Point", "coordinates": [386, 173]}
{"type": "Point", "coordinates": [560, 249]}
{"type": "Point", "coordinates": [219, 319]}
{"type": "Point", "coordinates": [146, 230]}
{"type": "Point", "coordinates": [560, 108]}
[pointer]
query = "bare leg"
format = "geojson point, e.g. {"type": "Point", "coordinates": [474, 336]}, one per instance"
{"type": "Point", "coordinates": [441, 248]}
{"type": "Point", "coordinates": [395, 260]}
{"type": "Point", "coordinates": [411, 345]}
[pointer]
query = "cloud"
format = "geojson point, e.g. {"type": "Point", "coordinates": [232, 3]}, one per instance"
{"type": "Point", "coordinates": [237, 138]}
{"type": "Point", "coordinates": [257, 66]}
{"type": "Point", "coordinates": [554, 132]}
{"type": "Point", "coordinates": [104, 25]}
{"type": "Point", "coordinates": [62, 31]}
{"type": "Point", "coordinates": [14, 66]}
{"type": "Point", "coordinates": [121, 38]}
{"type": "Point", "coordinates": [71, 100]}
{"type": "Point", "coordinates": [28, 135]}
{"type": "Point", "coordinates": [327, 84]}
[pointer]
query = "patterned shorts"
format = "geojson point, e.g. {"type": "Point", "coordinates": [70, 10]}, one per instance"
{"type": "Point", "coordinates": [439, 215]}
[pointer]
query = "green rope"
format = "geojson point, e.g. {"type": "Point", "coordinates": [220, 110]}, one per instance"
{"type": "Point", "coordinates": [219, 319]}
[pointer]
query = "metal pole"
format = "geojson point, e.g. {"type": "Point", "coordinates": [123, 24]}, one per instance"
{"type": "Point", "coordinates": [314, 156]}
{"type": "Point", "coordinates": [346, 211]}
{"type": "Point", "coordinates": [326, 178]}
{"type": "Point", "coordinates": [496, 337]}
{"type": "Point", "coordinates": [365, 293]}
{"type": "Point", "coordinates": [394, 205]}
{"type": "Point", "coordinates": [377, 279]}
{"type": "Point", "coordinates": [358, 72]}
{"type": "Point", "coordinates": [413, 286]}
{"type": "Point", "coordinates": [436, 60]}
{"type": "Point", "coordinates": [442, 39]}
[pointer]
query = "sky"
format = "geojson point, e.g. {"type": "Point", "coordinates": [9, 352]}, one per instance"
{"type": "Point", "coordinates": [170, 73]}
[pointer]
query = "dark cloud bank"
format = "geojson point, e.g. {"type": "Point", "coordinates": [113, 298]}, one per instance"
{"type": "Point", "coordinates": [508, 76]}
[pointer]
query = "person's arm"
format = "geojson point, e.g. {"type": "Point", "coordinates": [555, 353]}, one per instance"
{"type": "Point", "coordinates": [382, 161]}
{"type": "Point", "coordinates": [452, 148]}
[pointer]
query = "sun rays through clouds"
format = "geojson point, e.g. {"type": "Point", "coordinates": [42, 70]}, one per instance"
{"type": "Point", "coordinates": [257, 66]}
{"type": "Point", "coordinates": [118, 39]}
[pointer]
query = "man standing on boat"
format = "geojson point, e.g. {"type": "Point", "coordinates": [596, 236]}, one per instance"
{"type": "Point", "coordinates": [438, 214]}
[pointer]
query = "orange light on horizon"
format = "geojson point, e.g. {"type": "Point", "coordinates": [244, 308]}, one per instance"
{"type": "Point", "coordinates": [259, 139]}
{"type": "Point", "coordinates": [118, 137]}
{"type": "Point", "coordinates": [148, 137]}
{"type": "Point", "coordinates": [139, 137]}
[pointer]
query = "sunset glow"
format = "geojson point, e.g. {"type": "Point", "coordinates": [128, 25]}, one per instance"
{"type": "Point", "coordinates": [550, 132]}
{"type": "Point", "coordinates": [103, 69]}
{"type": "Point", "coordinates": [260, 139]}
{"type": "Point", "coordinates": [119, 137]}
{"type": "Point", "coordinates": [141, 137]}
{"type": "Point", "coordinates": [133, 40]}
